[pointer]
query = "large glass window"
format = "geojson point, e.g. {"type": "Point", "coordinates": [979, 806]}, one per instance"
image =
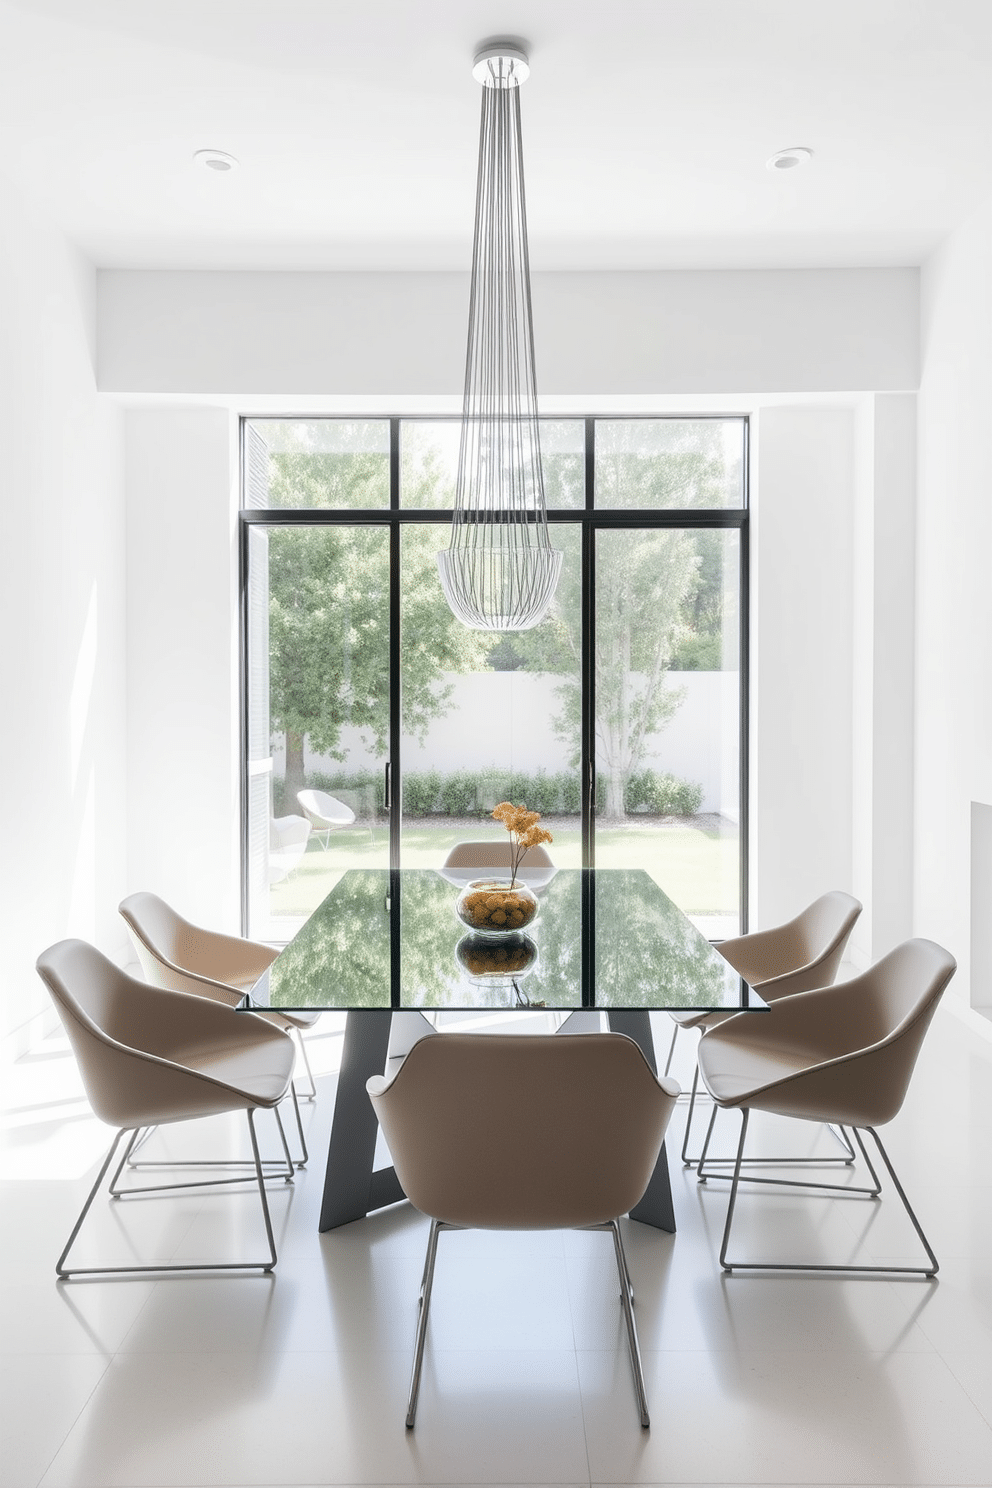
{"type": "Point", "coordinates": [317, 463]}
{"type": "Point", "coordinates": [650, 464]}
{"type": "Point", "coordinates": [619, 718]}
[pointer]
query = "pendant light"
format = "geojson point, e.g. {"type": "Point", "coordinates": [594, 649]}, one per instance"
{"type": "Point", "coordinates": [500, 571]}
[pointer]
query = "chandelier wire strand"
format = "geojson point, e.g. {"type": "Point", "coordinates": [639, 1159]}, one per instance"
{"type": "Point", "coordinates": [500, 571]}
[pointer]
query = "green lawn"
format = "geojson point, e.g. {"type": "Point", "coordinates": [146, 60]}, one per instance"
{"type": "Point", "coordinates": [696, 866]}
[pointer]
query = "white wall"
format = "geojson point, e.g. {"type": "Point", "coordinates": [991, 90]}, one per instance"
{"type": "Point", "coordinates": [182, 676]}
{"type": "Point", "coordinates": [954, 579]}
{"type": "Point", "coordinates": [312, 334]}
{"type": "Point", "coordinates": [62, 752]}
{"type": "Point", "coordinates": [801, 646]}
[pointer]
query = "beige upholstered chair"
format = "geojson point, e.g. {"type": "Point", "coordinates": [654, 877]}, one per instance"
{"type": "Point", "coordinates": [186, 958]}
{"type": "Point", "coordinates": [149, 1057]}
{"type": "Point", "coordinates": [326, 814]}
{"type": "Point", "coordinates": [528, 1132]}
{"type": "Point", "coordinates": [795, 957]}
{"type": "Point", "coordinates": [468, 860]}
{"type": "Point", "coordinates": [840, 1054]}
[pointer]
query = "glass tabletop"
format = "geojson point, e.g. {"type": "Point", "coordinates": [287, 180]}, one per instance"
{"type": "Point", "coordinates": [605, 938]}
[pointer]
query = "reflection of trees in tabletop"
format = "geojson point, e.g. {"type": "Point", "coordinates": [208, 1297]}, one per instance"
{"type": "Point", "coordinates": [557, 930]}
{"type": "Point", "coordinates": [430, 931]}
{"type": "Point", "coordinates": [341, 956]}
{"type": "Point", "coordinates": [647, 953]}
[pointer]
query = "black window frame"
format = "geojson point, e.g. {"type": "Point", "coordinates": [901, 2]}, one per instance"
{"type": "Point", "coordinates": [590, 518]}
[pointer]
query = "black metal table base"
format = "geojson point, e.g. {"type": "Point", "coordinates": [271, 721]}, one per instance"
{"type": "Point", "coordinates": [354, 1188]}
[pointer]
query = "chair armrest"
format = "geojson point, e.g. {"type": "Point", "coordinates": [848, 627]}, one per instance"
{"type": "Point", "coordinates": [746, 953]}
{"type": "Point", "coordinates": [822, 1024]}
{"type": "Point", "coordinates": [171, 1025]}
{"type": "Point", "coordinates": [230, 961]}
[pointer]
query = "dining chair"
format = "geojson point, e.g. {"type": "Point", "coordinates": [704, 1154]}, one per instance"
{"type": "Point", "coordinates": [149, 1058]}
{"type": "Point", "coordinates": [804, 953]}
{"type": "Point", "coordinates": [467, 860]}
{"type": "Point", "coordinates": [175, 954]}
{"type": "Point", "coordinates": [524, 1132]}
{"type": "Point", "coordinates": [842, 1055]}
{"type": "Point", "coordinates": [326, 814]}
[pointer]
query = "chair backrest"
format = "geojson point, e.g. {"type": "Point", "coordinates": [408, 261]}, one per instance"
{"type": "Point", "coordinates": [186, 958]}
{"type": "Point", "coordinates": [129, 1039]}
{"type": "Point", "coordinates": [328, 809]}
{"type": "Point", "coordinates": [805, 952]}
{"type": "Point", "coordinates": [494, 853]}
{"type": "Point", "coordinates": [861, 1038]}
{"type": "Point", "coordinates": [286, 832]}
{"type": "Point", "coordinates": [507, 1131]}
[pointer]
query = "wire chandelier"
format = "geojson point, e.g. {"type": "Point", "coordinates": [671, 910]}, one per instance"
{"type": "Point", "coordinates": [500, 572]}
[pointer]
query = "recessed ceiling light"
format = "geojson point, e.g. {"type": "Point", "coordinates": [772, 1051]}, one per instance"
{"type": "Point", "coordinates": [215, 160]}
{"type": "Point", "coordinates": [789, 159]}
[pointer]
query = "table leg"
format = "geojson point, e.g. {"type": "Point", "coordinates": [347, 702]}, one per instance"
{"type": "Point", "coordinates": [656, 1207]}
{"type": "Point", "coordinates": [351, 1186]}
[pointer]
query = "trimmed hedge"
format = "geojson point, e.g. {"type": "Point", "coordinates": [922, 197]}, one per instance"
{"type": "Point", "coordinates": [475, 793]}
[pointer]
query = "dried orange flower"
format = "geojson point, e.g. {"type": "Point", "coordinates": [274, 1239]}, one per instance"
{"type": "Point", "coordinates": [523, 829]}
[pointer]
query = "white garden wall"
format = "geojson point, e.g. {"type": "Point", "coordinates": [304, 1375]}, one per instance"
{"type": "Point", "coordinates": [518, 709]}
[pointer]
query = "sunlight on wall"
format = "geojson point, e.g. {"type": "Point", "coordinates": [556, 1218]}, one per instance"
{"type": "Point", "coordinates": [82, 776]}
{"type": "Point", "coordinates": [81, 696]}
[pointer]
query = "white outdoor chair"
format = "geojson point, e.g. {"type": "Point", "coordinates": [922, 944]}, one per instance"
{"type": "Point", "coordinates": [326, 814]}
{"type": "Point", "coordinates": [469, 860]}
{"type": "Point", "coordinates": [288, 838]}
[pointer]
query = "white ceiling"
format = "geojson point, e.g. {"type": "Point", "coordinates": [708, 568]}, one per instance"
{"type": "Point", "coordinates": [647, 124]}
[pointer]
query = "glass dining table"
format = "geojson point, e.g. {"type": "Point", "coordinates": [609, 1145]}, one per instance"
{"type": "Point", "coordinates": [386, 947]}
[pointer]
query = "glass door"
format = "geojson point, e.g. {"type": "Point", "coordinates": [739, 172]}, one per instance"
{"type": "Point", "coordinates": [667, 714]}
{"type": "Point", "coordinates": [318, 715]}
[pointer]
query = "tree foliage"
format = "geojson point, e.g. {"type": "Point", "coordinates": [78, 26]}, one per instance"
{"type": "Point", "coordinates": [660, 593]}
{"type": "Point", "coordinates": [329, 614]}
{"type": "Point", "coordinates": [642, 579]}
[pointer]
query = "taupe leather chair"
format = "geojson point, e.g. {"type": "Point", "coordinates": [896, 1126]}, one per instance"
{"type": "Point", "coordinates": [804, 953]}
{"type": "Point", "coordinates": [524, 1132]}
{"type": "Point", "coordinates": [468, 860]}
{"type": "Point", "coordinates": [176, 954]}
{"type": "Point", "coordinates": [149, 1057]}
{"type": "Point", "coordinates": [843, 1055]}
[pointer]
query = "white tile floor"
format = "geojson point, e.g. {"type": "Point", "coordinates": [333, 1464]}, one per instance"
{"type": "Point", "coordinates": [301, 1378]}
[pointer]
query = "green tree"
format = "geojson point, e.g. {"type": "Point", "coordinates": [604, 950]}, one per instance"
{"type": "Point", "coordinates": [642, 579]}
{"type": "Point", "coordinates": [655, 590]}
{"type": "Point", "coordinates": [329, 612]}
